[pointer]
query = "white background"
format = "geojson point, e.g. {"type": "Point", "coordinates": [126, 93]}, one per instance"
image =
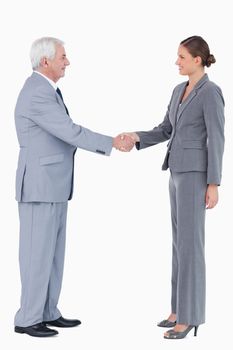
{"type": "Point", "coordinates": [118, 257]}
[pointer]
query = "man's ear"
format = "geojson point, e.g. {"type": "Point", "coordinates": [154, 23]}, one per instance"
{"type": "Point", "coordinates": [44, 62]}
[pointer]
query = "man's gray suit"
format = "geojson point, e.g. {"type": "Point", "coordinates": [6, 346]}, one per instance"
{"type": "Point", "coordinates": [195, 128]}
{"type": "Point", "coordinates": [48, 140]}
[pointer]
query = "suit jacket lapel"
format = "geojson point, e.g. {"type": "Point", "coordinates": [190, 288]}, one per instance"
{"type": "Point", "coordinates": [59, 99]}
{"type": "Point", "coordinates": [178, 99]}
{"type": "Point", "coordinates": [185, 103]}
{"type": "Point", "coordinates": [175, 103]}
{"type": "Point", "coordinates": [190, 97]}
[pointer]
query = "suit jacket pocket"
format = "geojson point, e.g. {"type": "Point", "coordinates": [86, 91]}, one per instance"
{"type": "Point", "coordinates": [57, 158]}
{"type": "Point", "coordinates": [193, 144]}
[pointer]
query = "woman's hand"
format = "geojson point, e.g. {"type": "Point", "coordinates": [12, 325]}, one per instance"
{"type": "Point", "coordinates": [211, 198]}
{"type": "Point", "coordinates": [133, 135]}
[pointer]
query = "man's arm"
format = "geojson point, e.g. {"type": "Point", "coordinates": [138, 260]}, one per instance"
{"type": "Point", "coordinates": [50, 116]}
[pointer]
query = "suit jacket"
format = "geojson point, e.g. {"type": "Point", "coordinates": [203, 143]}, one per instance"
{"type": "Point", "coordinates": [48, 139]}
{"type": "Point", "coordinates": [195, 128]}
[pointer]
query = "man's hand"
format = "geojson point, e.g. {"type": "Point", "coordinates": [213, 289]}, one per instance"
{"type": "Point", "coordinates": [211, 198]}
{"type": "Point", "coordinates": [123, 142]}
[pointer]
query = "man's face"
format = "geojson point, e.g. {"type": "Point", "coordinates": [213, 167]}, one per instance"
{"type": "Point", "coordinates": [56, 67]}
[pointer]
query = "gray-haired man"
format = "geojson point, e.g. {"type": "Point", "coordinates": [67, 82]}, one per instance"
{"type": "Point", "coordinates": [48, 140]}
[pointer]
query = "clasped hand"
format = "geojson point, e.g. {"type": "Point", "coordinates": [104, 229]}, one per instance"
{"type": "Point", "coordinates": [125, 141]}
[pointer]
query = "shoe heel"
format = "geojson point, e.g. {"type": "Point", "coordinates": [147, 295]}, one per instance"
{"type": "Point", "coordinates": [195, 331]}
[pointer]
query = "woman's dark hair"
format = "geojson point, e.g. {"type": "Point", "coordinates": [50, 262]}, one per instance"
{"type": "Point", "coordinates": [197, 46]}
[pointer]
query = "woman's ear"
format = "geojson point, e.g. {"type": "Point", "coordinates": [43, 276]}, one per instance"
{"type": "Point", "coordinates": [198, 60]}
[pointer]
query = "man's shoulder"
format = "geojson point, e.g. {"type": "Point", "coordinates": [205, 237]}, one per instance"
{"type": "Point", "coordinates": [37, 85]}
{"type": "Point", "coordinates": [39, 81]}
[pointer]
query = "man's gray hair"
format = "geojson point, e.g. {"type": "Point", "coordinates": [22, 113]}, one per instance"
{"type": "Point", "coordinates": [43, 47]}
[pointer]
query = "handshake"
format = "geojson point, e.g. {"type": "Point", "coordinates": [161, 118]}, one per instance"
{"type": "Point", "coordinates": [125, 142]}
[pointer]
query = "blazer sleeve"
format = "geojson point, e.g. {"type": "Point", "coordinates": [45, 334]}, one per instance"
{"type": "Point", "coordinates": [158, 134]}
{"type": "Point", "coordinates": [214, 120]}
{"type": "Point", "coordinates": [46, 112]}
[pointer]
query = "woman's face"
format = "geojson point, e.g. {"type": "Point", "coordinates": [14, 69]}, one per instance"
{"type": "Point", "coordinates": [187, 64]}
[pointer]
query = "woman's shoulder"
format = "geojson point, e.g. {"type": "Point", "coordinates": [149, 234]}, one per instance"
{"type": "Point", "coordinates": [212, 91]}
{"type": "Point", "coordinates": [210, 86]}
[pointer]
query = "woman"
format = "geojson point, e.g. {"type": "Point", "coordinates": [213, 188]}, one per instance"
{"type": "Point", "coordinates": [194, 123]}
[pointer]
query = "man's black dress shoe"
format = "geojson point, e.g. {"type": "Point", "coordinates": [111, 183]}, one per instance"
{"type": "Point", "coordinates": [63, 322]}
{"type": "Point", "coordinates": [37, 330]}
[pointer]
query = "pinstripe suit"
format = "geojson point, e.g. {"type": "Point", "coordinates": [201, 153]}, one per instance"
{"type": "Point", "coordinates": [195, 130]}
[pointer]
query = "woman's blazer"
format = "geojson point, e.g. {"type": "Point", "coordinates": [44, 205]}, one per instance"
{"type": "Point", "coordinates": [195, 128]}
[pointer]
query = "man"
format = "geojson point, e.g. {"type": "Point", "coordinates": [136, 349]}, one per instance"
{"type": "Point", "coordinates": [48, 139]}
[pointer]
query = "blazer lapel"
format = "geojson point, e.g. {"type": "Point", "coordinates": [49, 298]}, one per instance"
{"type": "Point", "coordinates": [192, 94]}
{"type": "Point", "coordinates": [59, 99]}
{"type": "Point", "coordinates": [186, 102]}
{"type": "Point", "coordinates": [176, 102]}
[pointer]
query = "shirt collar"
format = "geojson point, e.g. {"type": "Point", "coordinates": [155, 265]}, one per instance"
{"type": "Point", "coordinates": [49, 80]}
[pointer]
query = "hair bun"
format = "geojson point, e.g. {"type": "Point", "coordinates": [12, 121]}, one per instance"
{"type": "Point", "coordinates": [210, 60]}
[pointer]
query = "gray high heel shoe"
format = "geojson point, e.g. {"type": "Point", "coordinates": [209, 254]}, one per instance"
{"type": "Point", "coordinates": [166, 324]}
{"type": "Point", "coordinates": [180, 335]}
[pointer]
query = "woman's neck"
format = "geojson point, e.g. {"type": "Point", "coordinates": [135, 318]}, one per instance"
{"type": "Point", "coordinates": [195, 77]}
